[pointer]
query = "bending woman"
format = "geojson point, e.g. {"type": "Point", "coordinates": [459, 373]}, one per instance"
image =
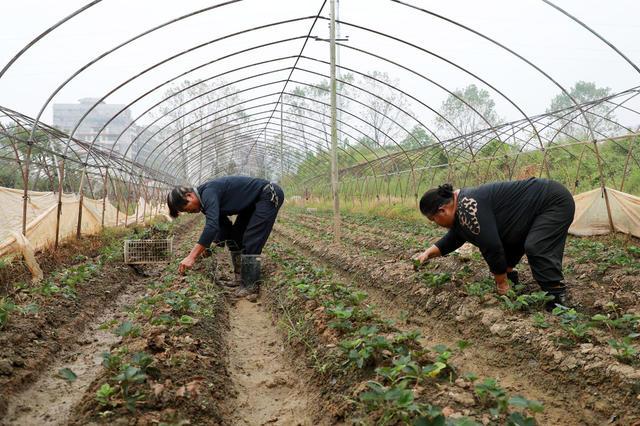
{"type": "Point", "coordinates": [506, 220]}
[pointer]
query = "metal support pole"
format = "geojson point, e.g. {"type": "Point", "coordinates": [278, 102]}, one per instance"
{"type": "Point", "coordinates": [25, 197]}
{"type": "Point", "coordinates": [59, 203]}
{"type": "Point", "coordinates": [281, 143]}
{"type": "Point", "coordinates": [126, 206]}
{"type": "Point", "coordinates": [604, 188]}
{"type": "Point", "coordinates": [79, 228]}
{"type": "Point", "coordinates": [626, 163]}
{"type": "Point", "coordinates": [104, 196]}
{"type": "Point", "coordinates": [334, 128]}
{"type": "Point", "coordinates": [118, 187]}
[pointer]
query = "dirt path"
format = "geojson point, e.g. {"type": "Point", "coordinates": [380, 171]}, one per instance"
{"type": "Point", "coordinates": [49, 400]}
{"type": "Point", "coordinates": [268, 389]}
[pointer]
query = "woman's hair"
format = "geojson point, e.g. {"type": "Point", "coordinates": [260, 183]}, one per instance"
{"type": "Point", "coordinates": [177, 199]}
{"type": "Point", "coordinates": [434, 198]}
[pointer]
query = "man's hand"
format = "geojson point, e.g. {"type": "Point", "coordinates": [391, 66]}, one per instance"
{"type": "Point", "coordinates": [187, 263]}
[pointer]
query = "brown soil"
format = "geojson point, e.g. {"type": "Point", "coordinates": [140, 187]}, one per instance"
{"type": "Point", "coordinates": [229, 366]}
{"type": "Point", "coordinates": [277, 361]}
{"type": "Point", "coordinates": [595, 387]}
{"type": "Point", "coordinates": [268, 387]}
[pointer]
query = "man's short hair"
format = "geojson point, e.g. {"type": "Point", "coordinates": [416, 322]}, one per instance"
{"type": "Point", "coordinates": [176, 199]}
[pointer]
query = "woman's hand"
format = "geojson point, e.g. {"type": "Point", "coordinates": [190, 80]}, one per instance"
{"type": "Point", "coordinates": [187, 263]}
{"type": "Point", "coordinates": [423, 257]}
{"type": "Point", "coordinates": [429, 253]}
{"type": "Point", "coordinates": [502, 285]}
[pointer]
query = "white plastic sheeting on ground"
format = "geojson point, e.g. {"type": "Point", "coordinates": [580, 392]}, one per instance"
{"type": "Point", "coordinates": [42, 209]}
{"type": "Point", "coordinates": [591, 216]}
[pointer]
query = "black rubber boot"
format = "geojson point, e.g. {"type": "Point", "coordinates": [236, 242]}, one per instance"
{"type": "Point", "coordinates": [559, 293]}
{"type": "Point", "coordinates": [250, 277]}
{"type": "Point", "coordinates": [236, 260]}
{"type": "Point", "coordinates": [513, 277]}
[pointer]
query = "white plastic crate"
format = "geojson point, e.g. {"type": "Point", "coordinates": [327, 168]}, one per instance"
{"type": "Point", "coordinates": [148, 251]}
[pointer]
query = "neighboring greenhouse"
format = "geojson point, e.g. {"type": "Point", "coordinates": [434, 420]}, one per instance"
{"type": "Point", "coordinates": [355, 108]}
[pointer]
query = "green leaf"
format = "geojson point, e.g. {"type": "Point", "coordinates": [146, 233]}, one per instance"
{"type": "Point", "coordinates": [371, 397]}
{"type": "Point", "coordinates": [66, 374]}
{"type": "Point", "coordinates": [518, 419]}
{"type": "Point", "coordinates": [186, 319]}
{"type": "Point", "coordinates": [438, 420]}
{"type": "Point", "coordinates": [405, 399]}
{"type": "Point", "coordinates": [518, 401]}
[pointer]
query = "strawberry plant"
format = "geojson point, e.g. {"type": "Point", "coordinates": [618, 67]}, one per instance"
{"type": "Point", "coordinates": [131, 375]}
{"type": "Point", "coordinates": [480, 288]}
{"type": "Point", "coordinates": [104, 395]}
{"type": "Point", "coordinates": [66, 374]}
{"type": "Point", "coordinates": [6, 307]}
{"type": "Point", "coordinates": [626, 351]}
{"type": "Point", "coordinates": [529, 302]}
{"type": "Point", "coordinates": [127, 328]}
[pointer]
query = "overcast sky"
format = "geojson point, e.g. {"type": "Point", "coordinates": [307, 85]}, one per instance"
{"type": "Point", "coordinates": [559, 46]}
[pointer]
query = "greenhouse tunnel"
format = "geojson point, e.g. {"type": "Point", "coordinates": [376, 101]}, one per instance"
{"type": "Point", "coordinates": [366, 102]}
{"type": "Point", "coordinates": [459, 238]}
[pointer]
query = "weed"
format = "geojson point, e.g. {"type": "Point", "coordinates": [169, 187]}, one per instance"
{"type": "Point", "coordinates": [436, 280]}
{"type": "Point", "coordinates": [163, 320]}
{"type": "Point", "coordinates": [109, 324]}
{"type": "Point", "coordinates": [187, 320]}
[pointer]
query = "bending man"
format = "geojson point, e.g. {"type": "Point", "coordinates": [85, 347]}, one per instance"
{"type": "Point", "coordinates": [506, 220]}
{"type": "Point", "coordinates": [255, 202]}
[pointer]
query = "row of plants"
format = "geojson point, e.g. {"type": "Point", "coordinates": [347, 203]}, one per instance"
{"type": "Point", "coordinates": [158, 365]}
{"type": "Point", "coordinates": [623, 328]}
{"type": "Point", "coordinates": [388, 375]}
{"type": "Point", "coordinates": [28, 298]}
{"type": "Point", "coordinates": [606, 255]}
{"type": "Point", "coordinates": [399, 241]}
{"type": "Point", "coordinates": [394, 244]}
{"type": "Point", "coordinates": [613, 332]}
{"type": "Point", "coordinates": [422, 229]}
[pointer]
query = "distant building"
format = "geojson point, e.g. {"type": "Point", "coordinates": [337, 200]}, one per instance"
{"type": "Point", "coordinates": [66, 117]}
